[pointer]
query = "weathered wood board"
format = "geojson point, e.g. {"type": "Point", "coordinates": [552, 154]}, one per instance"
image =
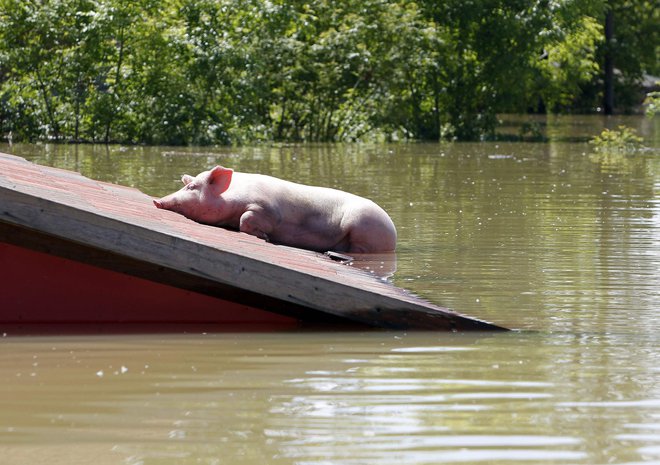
{"type": "Point", "coordinates": [118, 228]}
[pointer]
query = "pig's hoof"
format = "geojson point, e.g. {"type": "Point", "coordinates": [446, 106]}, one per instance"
{"type": "Point", "coordinates": [339, 257]}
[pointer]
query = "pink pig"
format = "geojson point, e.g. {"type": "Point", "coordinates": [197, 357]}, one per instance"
{"type": "Point", "coordinates": [283, 212]}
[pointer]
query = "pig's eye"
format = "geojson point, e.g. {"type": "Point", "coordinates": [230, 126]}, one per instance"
{"type": "Point", "coordinates": [191, 186]}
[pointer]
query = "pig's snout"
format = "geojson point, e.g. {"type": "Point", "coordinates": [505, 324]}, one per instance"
{"type": "Point", "coordinates": [169, 203]}
{"type": "Point", "coordinates": [166, 204]}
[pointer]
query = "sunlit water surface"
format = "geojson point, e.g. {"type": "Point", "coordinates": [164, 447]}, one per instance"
{"type": "Point", "coordinates": [549, 238]}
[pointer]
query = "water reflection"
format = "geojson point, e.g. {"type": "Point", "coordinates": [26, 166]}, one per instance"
{"type": "Point", "coordinates": [382, 265]}
{"type": "Point", "coordinates": [320, 398]}
{"type": "Point", "coordinates": [416, 405]}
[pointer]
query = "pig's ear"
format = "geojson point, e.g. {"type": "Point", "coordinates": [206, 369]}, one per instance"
{"type": "Point", "coordinates": [220, 178]}
{"type": "Point", "coordinates": [187, 179]}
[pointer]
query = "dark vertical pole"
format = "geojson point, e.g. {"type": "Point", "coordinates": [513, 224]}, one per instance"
{"type": "Point", "coordinates": [608, 100]}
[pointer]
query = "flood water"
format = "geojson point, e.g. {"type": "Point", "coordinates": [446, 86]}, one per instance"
{"type": "Point", "coordinates": [549, 238]}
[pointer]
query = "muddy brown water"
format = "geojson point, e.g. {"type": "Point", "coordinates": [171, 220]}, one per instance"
{"type": "Point", "coordinates": [550, 238]}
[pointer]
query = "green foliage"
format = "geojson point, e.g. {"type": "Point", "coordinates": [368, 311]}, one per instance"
{"type": "Point", "coordinates": [571, 62]}
{"type": "Point", "coordinates": [652, 103]}
{"type": "Point", "coordinates": [235, 71]}
{"type": "Point", "coordinates": [636, 46]}
{"type": "Point", "coordinates": [623, 140]}
{"type": "Point", "coordinates": [633, 50]}
{"type": "Point", "coordinates": [612, 149]}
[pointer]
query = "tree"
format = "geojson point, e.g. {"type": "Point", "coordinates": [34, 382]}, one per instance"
{"type": "Point", "coordinates": [235, 71]}
{"type": "Point", "coordinates": [631, 47]}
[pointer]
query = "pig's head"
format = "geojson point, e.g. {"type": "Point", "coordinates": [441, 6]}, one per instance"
{"type": "Point", "coordinates": [200, 197]}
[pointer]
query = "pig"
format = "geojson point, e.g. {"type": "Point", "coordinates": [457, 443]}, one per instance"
{"type": "Point", "coordinates": [279, 211]}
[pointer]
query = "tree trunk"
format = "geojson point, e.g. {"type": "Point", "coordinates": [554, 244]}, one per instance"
{"type": "Point", "coordinates": [116, 86]}
{"type": "Point", "coordinates": [49, 105]}
{"type": "Point", "coordinates": [608, 100]}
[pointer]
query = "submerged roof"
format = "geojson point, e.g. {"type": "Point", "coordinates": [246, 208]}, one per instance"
{"type": "Point", "coordinates": [122, 221]}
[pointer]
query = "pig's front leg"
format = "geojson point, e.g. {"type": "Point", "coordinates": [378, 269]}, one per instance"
{"type": "Point", "coordinates": [255, 224]}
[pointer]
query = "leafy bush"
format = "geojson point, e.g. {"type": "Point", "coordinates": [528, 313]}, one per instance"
{"type": "Point", "coordinates": [623, 140]}
{"type": "Point", "coordinates": [652, 103]}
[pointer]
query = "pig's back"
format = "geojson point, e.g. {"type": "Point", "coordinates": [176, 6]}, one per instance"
{"type": "Point", "coordinates": [306, 216]}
